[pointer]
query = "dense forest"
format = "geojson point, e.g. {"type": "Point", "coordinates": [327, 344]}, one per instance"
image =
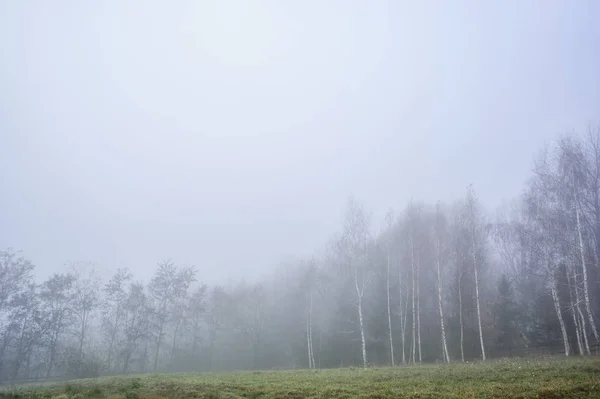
{"type": "Point", "coordinates": [439, 282]}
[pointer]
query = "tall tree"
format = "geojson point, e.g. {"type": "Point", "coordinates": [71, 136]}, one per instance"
{"type": "Point", "coordinates": [168, 286]}
{"type": "Point", "coordinates": [472, 210]}
{"type": "Point", "coordinates": [388, 247]}
{"type": "Point", "coordinates": [196, 308]}
{"type": "Point", "coordinates": [214, 317]}
{"type": "Point", "coordinates": [441, 249]}
{"type": "Point", "coordinates": [15, 279]}
{"type": "Point", "coordinates": [86, 300]}
{"type": "Point", "coordinates": [355, 249]}
{"type": "Point", "coordinates": [56, 295]}
{"type": "Point", "coordinates": [137, 309]}
{"type": "Point", "coordinates": [113, 312]}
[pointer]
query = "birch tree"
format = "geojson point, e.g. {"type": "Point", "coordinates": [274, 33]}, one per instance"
{"type": "Point", "coordinates": [475, 232]}
{"type": "Point", "coordinates": [355, 247]}
{"type": "Point", "coordinates": [545, 230]}
{"type": "Point", "coordinates": [577, 175]}
{"type": "Point", "coordinates": [413, 220]}
{"type": "Point", "coordinates": [389, 246]}
{"type": "Point", "coordinates": [441, 249]}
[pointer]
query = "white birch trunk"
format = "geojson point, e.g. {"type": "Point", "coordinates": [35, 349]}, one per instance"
{"type": "Point", "coordinates": [479, 314]}
{"type": "Point", "coordinates": [311, 359]}
{"type": "Point", "coordinates": [475, 268]}
{"type": "Point", "coordinates": [414, 313]}
{"type": "Point", "coordinates": [561, 321]}
{"type": "Point", "coordinates": [419, 309]}
{"type": "Point", "coordinates": [312, 348]}
{"type": "Point", "coordinates": [308, 344]}
{"type": "Point", "coordinates": [389, 313]}
{"type": "Point", "coordinates": [586, 343]}
{"type": "Point", "coordinates": [572, 307]}
{"type": "Point", "coordinates": [585, 277]}
{"type": "Point", "coordinates": [404, 328]}
{"type": "Point", "coordinates": [460, 317]}
{"type": "Point", "coordinates": [402, 310]}
{"type": "Point", "coordinates": [359, 294]}
{"type": "Point", "coordinates": [445, 354]}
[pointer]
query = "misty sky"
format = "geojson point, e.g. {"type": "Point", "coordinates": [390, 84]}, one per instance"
{"type": "Point", "coordinates": [229, 135]}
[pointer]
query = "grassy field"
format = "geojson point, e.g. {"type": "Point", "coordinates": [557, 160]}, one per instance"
{"type": "Point", "coordinates": [540, 378]}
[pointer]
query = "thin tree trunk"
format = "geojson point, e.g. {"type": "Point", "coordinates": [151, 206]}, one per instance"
{"type": "Point", "coordinates": [311, 359]}
{"type": "Point", "coordinates": [113, 338]}
{"type": "Point", "coordinates": [81, 338]}
{"type": "Point", "coordinates": [561, 321]}
{"type": "Point", "coordinates": [419, 309]}
{"type": "Point", "coordinates": [585, 276]}
{"type": "Point", "coordinates": [578, 301]}
{"type": "Point", "coordinates": [402, 313]}
{"type": "Point", "coordinates": [53, 342]}
{"type": "Point", "coordinates": [359, 295]}
{"type": "Point", "coordinates": [445, 354]}
{"type": "Point", "coordinates": [404, 327]}
{"type": "Point", "coordinates": [583, 330]}
{"type": "Point", "coordinates": [174, 344]}
{"type": "Point", "coordinates": [195, 338]}
{"type": "Point", "coordinates": [158, 342]}
{"type": "Point", "coordinates": [460, 317]}
{"type": "Point", "coordinates": [308, 345]}
{"type": "Point", "coordinates": [574, 313]}
{"type": "Point", "coordinates": [475, 268]}
{"type": "Point", "coordinates": [414, 313]}
{"type": "Point", "coordinates": [389, 313]}
{"type": "Point", "coordinates": [211, 350]}
{"type": "Point", "coordinates": [312, 352]}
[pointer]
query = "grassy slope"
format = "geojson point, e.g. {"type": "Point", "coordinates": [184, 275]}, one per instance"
{"type": "Point", "coordinates": [558, 378]}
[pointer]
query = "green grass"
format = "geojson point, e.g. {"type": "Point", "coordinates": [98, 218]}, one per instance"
{"type": "Point", "coordinates": [540, 378]}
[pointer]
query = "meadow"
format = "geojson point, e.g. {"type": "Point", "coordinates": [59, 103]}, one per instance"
{"type": "Point", "coordinates": [531, 378]}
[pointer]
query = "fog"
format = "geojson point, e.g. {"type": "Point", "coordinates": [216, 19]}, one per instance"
{"type": "Point", "coordinates": [230, 135]}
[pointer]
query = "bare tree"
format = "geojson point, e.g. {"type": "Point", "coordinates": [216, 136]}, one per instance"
{"type": "Point", "coordinates": [311, 288]}
{"type": "Point", "coordinates": [354, 242]}
{"type": "Point", "coordinates": [15, 278]}
{"type": "Point", "coordinates": [184, 278]}
{"type": "Point", "coordinates": [214, 316]}
{"type": "Point", "coordinates": [545, 226]}
{"type": "Point", "coordinates": [56, 295]}
{"type": "Point", "coordinates": [113, 312]}
{"type": "Point", "coordinates": [440, 233]}
{"type": "Point", "coordinates": [473, 218]}
{"type": "Point", "coordinates": [389, 244]}
{"type": "Point", "coordinates": [137, 323]}
{"type": "Point", "coordinates": [251, 317]}
{"type": "Point", "coordinates": [197, 309]}
{"type": "Point", "coordinates": [168, 286]}
{"type": "Point", "coordinates": [86, 300]}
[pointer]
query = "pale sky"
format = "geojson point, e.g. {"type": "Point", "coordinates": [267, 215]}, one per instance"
{"type": "Point", "coordinates": [229, 134]}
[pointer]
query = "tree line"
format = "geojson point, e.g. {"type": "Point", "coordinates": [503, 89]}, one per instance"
{"type": "Point", "coordinates": [441, 282]}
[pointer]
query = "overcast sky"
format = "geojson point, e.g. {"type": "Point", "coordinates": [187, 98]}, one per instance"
{"type": "Point", "coordinates": [229, 135]}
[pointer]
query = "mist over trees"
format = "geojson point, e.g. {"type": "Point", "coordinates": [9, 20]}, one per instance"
{"type": "Point", "coordinates": [440, 282]}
